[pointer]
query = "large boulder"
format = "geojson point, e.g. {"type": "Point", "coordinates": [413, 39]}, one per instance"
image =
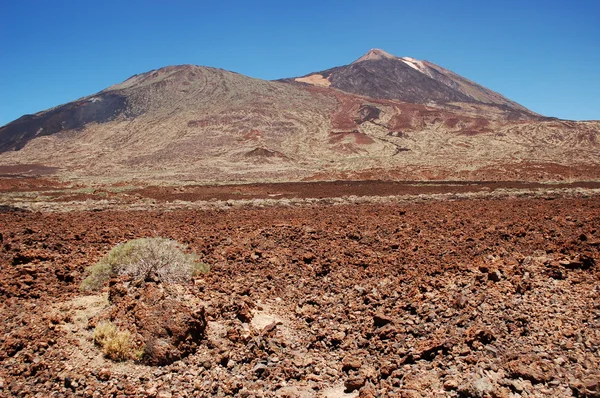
{"type": "Point", "coordinates": [162, 322]}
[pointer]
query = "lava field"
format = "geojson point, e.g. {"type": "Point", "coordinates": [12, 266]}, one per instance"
{"type": "Point", "coordinates": [457, 298]}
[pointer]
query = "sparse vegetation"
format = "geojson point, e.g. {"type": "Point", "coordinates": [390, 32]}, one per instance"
{"type": "Point", "coordinates": [160, 259]}
{"type": "Point", "coordinates": [115, 344]}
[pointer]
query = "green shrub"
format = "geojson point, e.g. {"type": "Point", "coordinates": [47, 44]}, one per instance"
{"type": "Point", "coordinates": [160, 259]}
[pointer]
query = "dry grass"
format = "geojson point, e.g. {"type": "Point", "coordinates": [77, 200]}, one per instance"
{"type": "Point", "coordinates": [158, 259]}
{"type": "Point", "coordinates": [115, 344]}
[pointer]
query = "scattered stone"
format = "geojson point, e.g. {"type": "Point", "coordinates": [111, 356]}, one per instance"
{"type": "Point", "coordinates": [450, 384]}
{"type": "Point", "coordinates": [460, 301]}
{"type": "Point", "coordinates": [532, 368]}
{"type": "Point", "coordinates": [483, 387]}
{"type": "Point", "coordinates": [103, 374]}
{"type": "Point", "coordinates": [380, 320]}
{"type": "Point", "coordinates": [351, 363]}
{"type": "Point", "coordinates": [588, 387]}
{"type": "Point", "coordinates": [259, 368]}
{"type": "Point", "coordinates": [338, 337]}
{"type": "Point", "coordinates": [582, 261]}
{"type": "Point", "coordinates": [164, 394]}
{"type": "Point", "coordinates": [354, 382]}
{"type": "Point", "coordinates": [494, 276]}
{"type": "Point", "coordinates": [151, 391]}
{"type": "Point", "coordinates": [478, 388]}
{"type": "Point", "coordinates": [244, 314]}
{"type": "Point", "coordinates": [367, 391]}
{"type": "Point", "coordinates": [269, 328]}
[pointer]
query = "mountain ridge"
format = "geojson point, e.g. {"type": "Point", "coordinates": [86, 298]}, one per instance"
{"type": "Point", "coordinates": [206, 124]}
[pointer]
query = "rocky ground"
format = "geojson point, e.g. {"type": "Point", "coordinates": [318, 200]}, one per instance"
{"type": "Point", "coordinates": [464, 298]}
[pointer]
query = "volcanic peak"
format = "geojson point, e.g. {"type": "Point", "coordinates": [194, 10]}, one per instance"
{"type": "Point", "coordinates": [375, 54]}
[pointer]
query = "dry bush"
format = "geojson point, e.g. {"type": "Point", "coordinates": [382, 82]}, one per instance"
{"type": "Point", "coordinates": [159, 259]}
{"type": "Point", "coordinates": [103, 332]}
{"type": "Point", "coordinates": [115, 344]}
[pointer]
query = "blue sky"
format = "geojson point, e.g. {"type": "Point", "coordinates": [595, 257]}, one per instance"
{"type": "Point", "coordinates": [542, 54]}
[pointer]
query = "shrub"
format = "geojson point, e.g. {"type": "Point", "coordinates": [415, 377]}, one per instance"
{"type": "Point", "coordinates": [115, 344]}
{"type": "Point", "coordinates": [160, 259]}
{"type": "Point", "coordinates": [103, 331]}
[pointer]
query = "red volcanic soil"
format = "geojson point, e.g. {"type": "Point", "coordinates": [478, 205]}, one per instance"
{"type": "Point", "coordinates": [334, 189]}
{"type": "Point", "coordinates": [284, 190]}
{"type": "Point", "coordinates": [23, 184]}
{"type": "Point", "coordinates": [469, 298]}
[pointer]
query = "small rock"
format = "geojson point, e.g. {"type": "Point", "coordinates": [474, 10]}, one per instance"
{"type": "Point", "coordinates": [350, 363]}
{"type": "Point", "coordinates": [531, 368]}
{"type": "Point", "coordinates": [103, 374]}
{"type": "Point", "coordinates": [338, 337]}
{"type": "Point", "coordinates": [164, 394]}
{"type": "Point", "coordinates": [460, 301]}
{"type": "Point", "coordinates": [353, 383]}
{"type": "Point", "coordinates": [380, 320]}
{"type": "Point", "coordinates": [386, 369]}
{"type": "Point", "coordinates": [580, 262]}
{"type": "Point", "coordinates": [518, 385]}
{"type": "Point", "coordinates": [259, 368]}
{"type": "Point", "coordinates": [233, 335]}
{"type": "Point", "coordinates": [494, 276]}
{"type": "Point", "coordinates": [483, 386]}
{"type": "Point", "coordinates": [367, 391]}
{"type": "Point", "coordinates": [450, 384]}
{"type": "Point", "coordinates": [589, 387]}
{"type": "Point", "coordinates": [151, 392]}
{"type": "Point", "coordinates": [269, 328]}
{"type": "Point", "coordinates": [244, 314]}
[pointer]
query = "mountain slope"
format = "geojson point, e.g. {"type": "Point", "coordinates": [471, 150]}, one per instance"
{"type": "Point", "coordinates": [205, 124]}
{"type": "Point", "coordinates": [379, 74]}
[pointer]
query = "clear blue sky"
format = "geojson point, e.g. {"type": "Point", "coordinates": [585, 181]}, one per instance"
{"type": "Point", "coordinates": [542, 54]}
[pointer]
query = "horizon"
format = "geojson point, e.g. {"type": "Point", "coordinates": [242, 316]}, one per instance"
{"type": "Point", "coordinates": [517, 50]}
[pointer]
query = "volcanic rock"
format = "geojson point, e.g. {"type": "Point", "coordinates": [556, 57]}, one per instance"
{"type": "Point", "coordinates": [158, 316]}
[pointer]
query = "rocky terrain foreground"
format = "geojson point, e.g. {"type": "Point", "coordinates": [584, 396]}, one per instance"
{"type": "Point", "coordinates": [458, 298]}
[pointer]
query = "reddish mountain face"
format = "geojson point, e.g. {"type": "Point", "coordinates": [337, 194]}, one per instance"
{"type": "Point", "coordinates": [353, 122]}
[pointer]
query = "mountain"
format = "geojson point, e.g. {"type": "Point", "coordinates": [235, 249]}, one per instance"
{"type": "Point", "coordinates": [379, 74]}
{"type": "Point", "coordinates": [209, 125]}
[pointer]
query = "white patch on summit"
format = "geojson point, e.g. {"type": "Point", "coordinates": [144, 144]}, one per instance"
{"type": "Point", "coordinates": [415, 64]}
{"type": "Point", "coordinates": [377, 54]}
